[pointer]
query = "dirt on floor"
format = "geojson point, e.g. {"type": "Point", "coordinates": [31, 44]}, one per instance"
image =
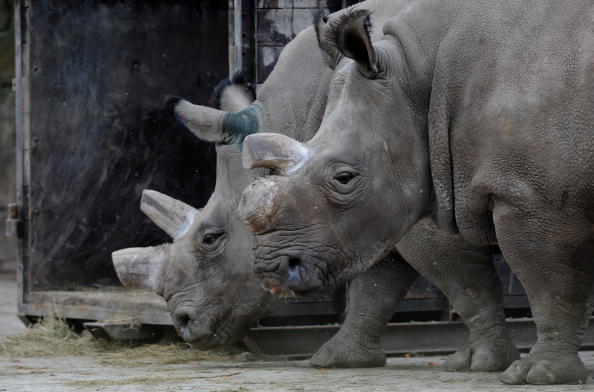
{"type": "Point", "coordinates": [52, 358]}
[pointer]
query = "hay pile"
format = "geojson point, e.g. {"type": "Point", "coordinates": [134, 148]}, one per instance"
{"type": "Point", "coordinates": [53, 337]}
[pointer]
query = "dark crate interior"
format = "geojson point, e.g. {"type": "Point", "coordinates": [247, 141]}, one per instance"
{"type": "Point", "coordinates": [99, 72]}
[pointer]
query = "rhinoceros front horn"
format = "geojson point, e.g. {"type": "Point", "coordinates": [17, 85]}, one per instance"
{"type": "Point", "coordinates": [273, 151]}
{"type": "Point", "coordinates": [259, 204]}
{"type": "Point", "coordinates": [141, 267]}
{"type": "Point", "coordinates": [144, 267]}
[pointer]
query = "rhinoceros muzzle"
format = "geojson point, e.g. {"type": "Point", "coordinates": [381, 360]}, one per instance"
{"type": "Point", "coordinates": [293, 272]}
{"type": "Point", "coordinates": [194, 329]}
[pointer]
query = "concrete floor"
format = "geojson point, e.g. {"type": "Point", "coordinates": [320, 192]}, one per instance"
{"type": "Point", "coordinates": [67, 374]}
{"type": "Point", "coordinates": [9, 323]}
{"type": "Point", "coordinates": [95, 373]}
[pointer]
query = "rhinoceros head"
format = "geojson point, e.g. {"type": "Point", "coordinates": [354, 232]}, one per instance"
{"type": "Point", "coordinates": [337, 203]}
{"type": "Point", "coordinates": [206, 274]}
{"type": "Point", "coordinates": [211, 293]}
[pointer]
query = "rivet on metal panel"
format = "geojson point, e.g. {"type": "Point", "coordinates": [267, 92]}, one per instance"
{"type": "Point", "coordinates": [12, 222]}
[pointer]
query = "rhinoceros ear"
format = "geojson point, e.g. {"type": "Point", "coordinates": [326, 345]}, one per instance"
{"type": "Point", "coordinates": [273, 151]}
{"type": "Point", "coordinates": [234, 95]}
{"type": "Point", "coordinates": [142, 267]}
{"type": "Point", "coordinates": [171, 215]}
{"type": "Point", "coordinates": [204, 122]}
{"type": "Point", "coordinates": [350, 35]}
{"type": "Point", "coordinates": [330, 54]}
{"type": "Point", "coordinates": [213, 125]}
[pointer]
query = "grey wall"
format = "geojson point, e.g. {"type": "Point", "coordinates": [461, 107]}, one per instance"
{"type": "Point", "coordinates": [7, 135]}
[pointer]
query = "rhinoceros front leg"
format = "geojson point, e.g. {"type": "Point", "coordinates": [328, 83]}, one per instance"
{"type": "Point", "coordinates": [467, 276]}
{"type": "Point", "coordinates": [373, 298]}
{"type": "Point", "coordinates": [553, 258]}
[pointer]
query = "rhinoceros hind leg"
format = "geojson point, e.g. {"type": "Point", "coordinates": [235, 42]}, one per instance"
{"type": "Point", "coordinates": [545, 369]}
{"type": "Point", "coordinates": [551, 253]}
{"type": "Point", "coordinates": [467, 276]}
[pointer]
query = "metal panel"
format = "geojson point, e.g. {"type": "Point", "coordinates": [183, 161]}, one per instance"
{"type": "Point", "coordinates": [93, 131]}
{"type": "Point", "coordinates": [7, 133]}
{"type": "Point", "coordinates": [278, 22]}
{"type": "Point", "coordinates": [399, 338]}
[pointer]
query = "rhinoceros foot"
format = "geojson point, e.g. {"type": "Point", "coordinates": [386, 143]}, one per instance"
{"type": "Point", "coordinates": [341, 352]}
{"type": "Point", "coordinates": [483, 357]}
{"type": "Point", "coordinates": [546, 368]}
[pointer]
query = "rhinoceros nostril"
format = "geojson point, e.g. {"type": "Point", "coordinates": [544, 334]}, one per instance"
{"type": "Point", "coordinates": [294, 276]}
{"type": "Point", "coordinates": [182, 319]}
{"type": "Point", "coordinates": [294, 262]}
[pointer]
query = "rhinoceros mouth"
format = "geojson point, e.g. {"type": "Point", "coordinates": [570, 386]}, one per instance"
{"type": "Point", "coordinates": [293, 274]}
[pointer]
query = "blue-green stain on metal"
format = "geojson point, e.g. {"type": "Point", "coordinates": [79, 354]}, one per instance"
{"type": "Point", "coordinates": [236, 126]}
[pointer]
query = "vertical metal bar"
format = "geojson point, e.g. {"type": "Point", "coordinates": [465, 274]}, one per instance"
{"type": "Point", "coordinates": [19, 132]}
{"type": "Point", "coordinates": [22, 111]}
{"type": "Point", "coordinates": [237, 35]}
{"type": "Point", "coordinates": [255, 57]}
{"type": "Point", "coordinates": [231, 37]}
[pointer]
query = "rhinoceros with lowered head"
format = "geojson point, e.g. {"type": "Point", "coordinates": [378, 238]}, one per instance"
{"type": "Point", "coordinates": [476, 115]}
{"type": "Point", "coordinates": [205, 275]}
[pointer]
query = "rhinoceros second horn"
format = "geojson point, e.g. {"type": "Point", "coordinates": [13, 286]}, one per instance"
{"type": "Point", "coordinates": [218, 126]}
{"type": "Point", "coordinates": [171, 215]}
{"type": "Point", "coordinates": [206, 123]}
{"type": "Point", "coordinates": [273, 151]}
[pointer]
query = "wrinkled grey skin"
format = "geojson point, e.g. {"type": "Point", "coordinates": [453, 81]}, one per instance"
{"type": "Point", "coordinates": [211, 292]}
{"type": "Point", "coordinates": [476, 114]}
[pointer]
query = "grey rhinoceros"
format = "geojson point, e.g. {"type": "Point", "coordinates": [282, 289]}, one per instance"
{"type": "Point", "coordinates": [477, 115]}
{"type": "Point", "coordinates": [205, 275]}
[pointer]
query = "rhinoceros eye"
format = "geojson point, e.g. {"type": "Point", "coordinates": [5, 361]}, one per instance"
{"type": "Point", "coordinates": [344, 177]}
{"type": "Point", "coordinates": [343, 183]}
{"type": "Point", "coordinates": [211, 238]}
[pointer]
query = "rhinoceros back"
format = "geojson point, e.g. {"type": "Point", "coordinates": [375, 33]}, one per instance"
{"type": "Point", "coordinates": [511, 104]}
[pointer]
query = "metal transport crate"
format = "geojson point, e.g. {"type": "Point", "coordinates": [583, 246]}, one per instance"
{"type": "Point", "coordinates": [93, 132]}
